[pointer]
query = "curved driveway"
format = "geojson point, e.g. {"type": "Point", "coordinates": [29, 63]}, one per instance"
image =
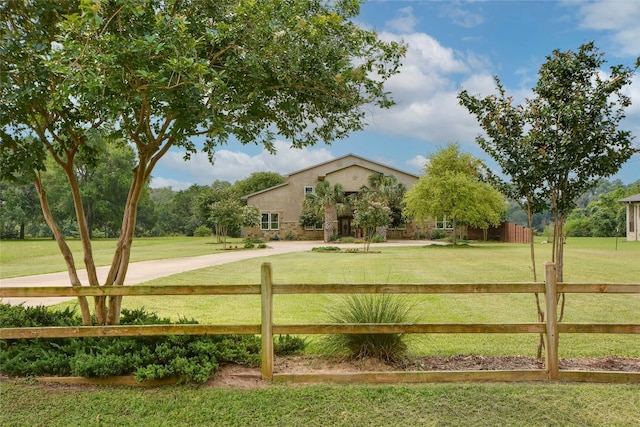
{"type": "Point", "coordinates": [144, 271]}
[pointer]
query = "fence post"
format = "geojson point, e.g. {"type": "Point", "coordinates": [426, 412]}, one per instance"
{"type": "Point", "coordinates": [266, 329]}
{"type": "Point", "coordinates": [551, 337]}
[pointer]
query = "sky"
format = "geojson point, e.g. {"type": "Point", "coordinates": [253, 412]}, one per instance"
{"type": "Point", "coordinates": [452, 45]}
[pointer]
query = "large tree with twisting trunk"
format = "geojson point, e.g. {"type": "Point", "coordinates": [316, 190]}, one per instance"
{"type": "Point", "coordinates": [156, 73]}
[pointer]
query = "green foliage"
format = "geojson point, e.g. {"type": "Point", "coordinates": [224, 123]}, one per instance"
{"type": "Point", "coordinates": [325, 249]}
{"type": "Point", "coordinates": [229, 213]}
{"type": "Point", "coordinates": [370, 308]}
{"type": "Point", "coordinates": [565, 138]}
{"type": "Point", "coordinates": [347, 239]}
{"type": "Point", "coordinates": [389, 191]}
{"type": "Point", "coordinates": [257, 181]}
{"type": "Point", "coordinates": [154, 74]}
{"type": "Point", "coordinates": [453, 187]}
{"type": "Point", "coordinates": [288, 345]}
{"type": "Point", "coordinates": [438, 234]}
{"type": "Point", "coordinates": [191, 358]}
{"type": "Point", "coordinates": [369, 215]}
{"type": "Point", "coordinates": [202, 231]}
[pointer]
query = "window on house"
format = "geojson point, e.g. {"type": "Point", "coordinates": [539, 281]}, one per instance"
{"type": "Point", "coordinates": [308, 189]}
{"type": "Point", "coordinates": [317, 226]}
{"type": "Point", "coordinates": [443, 223]}
{"type": "Point", "coordinates": [269, 221]}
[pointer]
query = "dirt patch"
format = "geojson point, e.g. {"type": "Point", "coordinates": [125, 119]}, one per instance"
{"type": "Point", "coordinates": [241, 377]}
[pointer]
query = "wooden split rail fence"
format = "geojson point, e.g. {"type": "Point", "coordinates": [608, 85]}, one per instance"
{"type": "Point", "coordinates": [551, 328]}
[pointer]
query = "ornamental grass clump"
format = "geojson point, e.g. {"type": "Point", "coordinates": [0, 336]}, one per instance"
{"type": "Point", "coordinates": [366, 308]}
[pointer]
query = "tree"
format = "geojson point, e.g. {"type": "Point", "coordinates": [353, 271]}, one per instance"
{"type": "Point", "coordinates": [18, 207]}
{"type": "Point", "coordinates": [102, 183]}
{"type": "Point", "coordinates": [389, 191]}
{"type": "Point", "coordinates": [157, 72]}
{"type": "Point", "coordinates": [575, 117]}
{"type": "Point", "coordinates": [510, 146]}
{"type": "Point", "coordinates": [572, 137]}
{"type": "Point", "coordinates": [257, 181]}
{"type": "Point", "coordinates": [230, 213]}
{"type": "Point", "coordinates": [451, 187]}
{"type": "Point", "coordinates": [324, 201]}
{"type": "Point", "coordinates": [370, 215]}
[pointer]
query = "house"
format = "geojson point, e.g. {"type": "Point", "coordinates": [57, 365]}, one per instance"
{"type": "Point", "coordinates": [280, 206]}
{"type": "Point", "coordinates": [633, 216]}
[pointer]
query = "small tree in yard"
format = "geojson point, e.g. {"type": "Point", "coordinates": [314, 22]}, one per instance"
{"type": "Point", "coordinates": [388, 190]}
{"type": "Point", "coordinates": [370, 215]}
{"type": "Point", "coordinates": [563, 140]}
{"type": "Point", "coordinates": [451, 187]}
{"type": "Point", "coordinates": [156, 73]}
{"type": "Point", "coordinates": [230, 213]}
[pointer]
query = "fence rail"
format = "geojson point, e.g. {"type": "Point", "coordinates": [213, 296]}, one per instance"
{"type": "Point", "coordinates": [551, 328]}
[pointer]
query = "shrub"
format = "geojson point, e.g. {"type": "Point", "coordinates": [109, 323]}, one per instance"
{"type": "Point", "coordinates": [286, 345]}
{"type": "Point", "coordinates": [376, 238]}
{"type": "Point", "coordinates": [437, 234]}
{"type": "Point", "coordinates": [192, 358]}
{"type": "Point", "coordinates": [249, 245]}
{"type": "Point", "coordinates": [347, 239]}
{"type": "Point", "coordinates": [202, 231]}
{"type": "Point", "coordinates": [325, 249]}
{"type": "Point", "coordinates": [370, 309]}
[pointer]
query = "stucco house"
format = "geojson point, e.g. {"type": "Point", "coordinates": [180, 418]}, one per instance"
{"type": "Point", "coordinates": [633, 216]}
{"type": "Point", "coordinates": [280, 206]}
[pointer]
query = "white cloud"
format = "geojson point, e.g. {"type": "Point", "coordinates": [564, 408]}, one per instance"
{"type": "Point", "coordinates": [426, 92]}
{"type": "Point", "coordinates": [160, 182]}
{"type": "Point", "coordinates": [234, 165]}
{"type": "Point", "coordinates": [463, 17]}
{"type": "Point", "coordinates": [418, 162]}
{"type": "Point", "coordinates": [620, 18]}
{"type": "Point", "coordinates": [405, 21]}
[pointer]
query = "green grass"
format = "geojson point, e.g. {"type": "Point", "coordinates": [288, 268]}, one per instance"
{"type": "Point", "coordinates": [40, 256]}
{"type": "Point", "coordinates": [522, 404]}
{"type": "Point", "coordinates": [587, 260]}
{"type": "Point", "coordinates": [280, 405]}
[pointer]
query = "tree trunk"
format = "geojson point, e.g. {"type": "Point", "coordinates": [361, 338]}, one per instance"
{"type": "Point", "coordinates": [64, 249]}
{"type": "Point", "coordinates": [21, 237]}
{"type": "Point", "coordinates": [453, 235]}
{"type": "Point", "coordinates": [328, 223]}
{"type": "Point", "coordinates": [120, 264]}
{"type": "Point", "coordinates": [532, 251]}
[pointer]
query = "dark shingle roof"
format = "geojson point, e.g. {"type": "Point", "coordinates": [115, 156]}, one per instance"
{"type": "Point", "coordinates": [631, 199]}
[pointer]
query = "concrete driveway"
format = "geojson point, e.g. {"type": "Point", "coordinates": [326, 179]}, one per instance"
{"type": "Point", "coordinates": [144, 271]}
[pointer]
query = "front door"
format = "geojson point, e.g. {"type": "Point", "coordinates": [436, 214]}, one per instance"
{"type": "Point", "coordinates": [345, 226]}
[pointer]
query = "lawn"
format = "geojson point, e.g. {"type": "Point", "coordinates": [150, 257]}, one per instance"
{"type": "Point", "coordinates": [587, 260]}
{"type": "Point", "coordinates": [40, 256]}
{"type": "Point", "coordinates": [522, 404]}
{"type": "Point", "coordinates": [364, 405]}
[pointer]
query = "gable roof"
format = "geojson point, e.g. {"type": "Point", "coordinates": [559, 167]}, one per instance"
{"type": "Point", "coordinates": [337, 159]}
{"type": "Point", "coordinates": [631, 199]}
{"type": "Point", "coordinates": [344, 157]}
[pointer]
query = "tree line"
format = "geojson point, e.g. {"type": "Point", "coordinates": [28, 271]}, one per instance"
{"type": "Point", "coordinates": [161, 211]}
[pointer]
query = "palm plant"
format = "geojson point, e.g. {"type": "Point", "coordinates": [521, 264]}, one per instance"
{"type": "Point", "coordinates": [326, 200]}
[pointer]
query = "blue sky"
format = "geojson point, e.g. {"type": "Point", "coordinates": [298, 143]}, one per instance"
{"type": "Point", "coordinates": [452, 45]}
